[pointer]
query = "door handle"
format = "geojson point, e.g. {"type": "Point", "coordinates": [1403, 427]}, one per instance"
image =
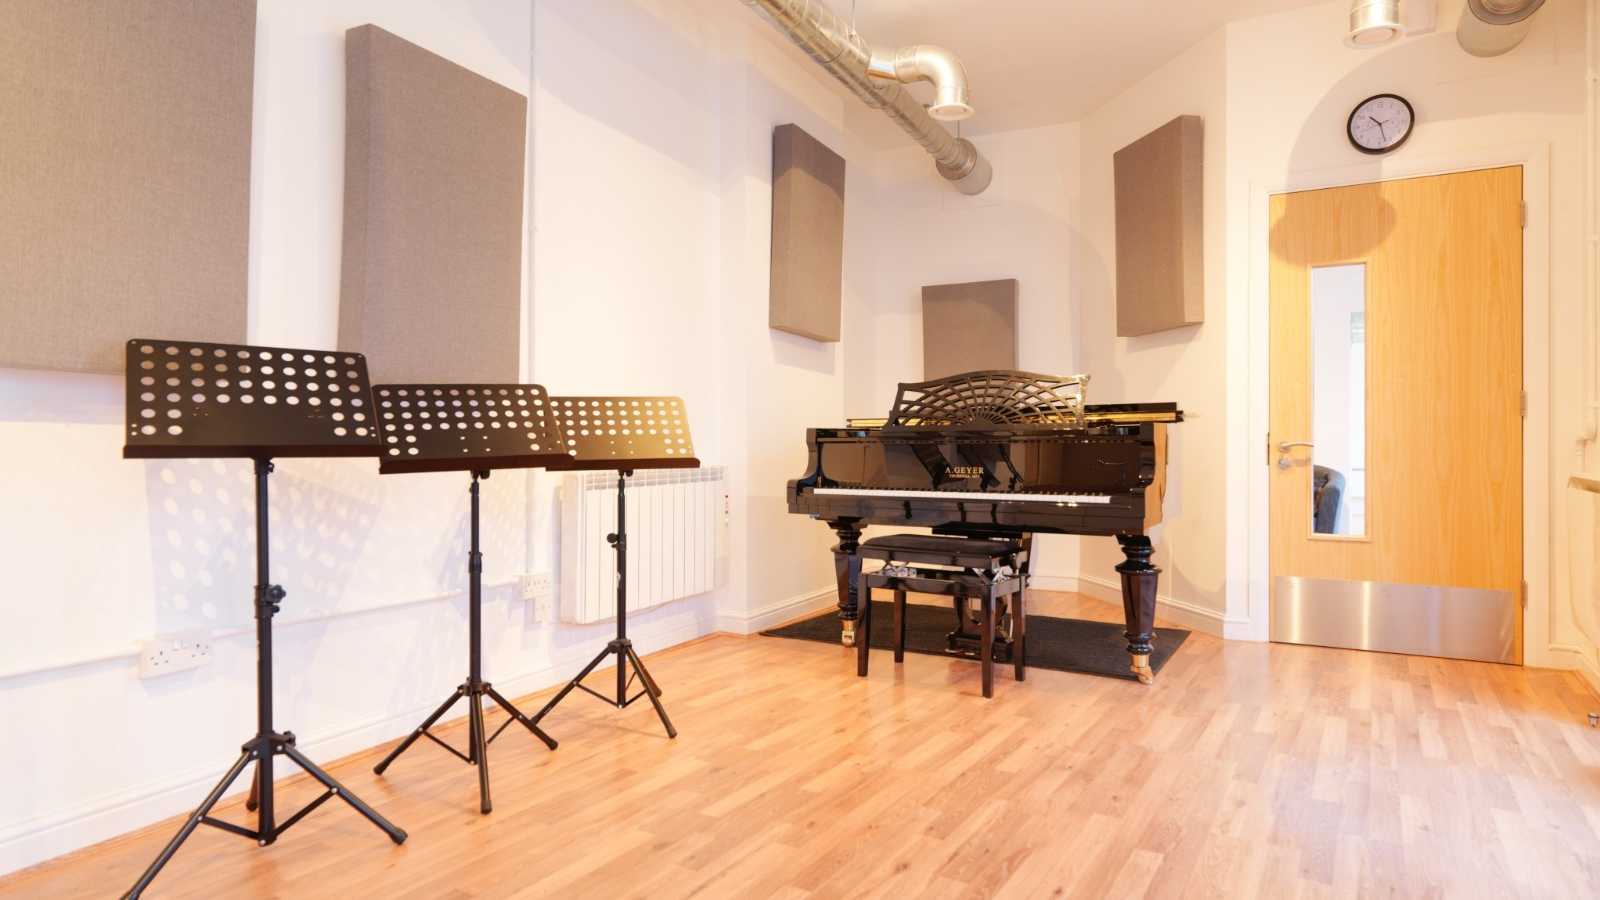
{"type": "Point", "coordinates": [1284, 447]}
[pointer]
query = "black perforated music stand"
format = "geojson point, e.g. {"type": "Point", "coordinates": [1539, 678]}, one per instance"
{"type": "Point", "coordinates": [199, 400]}
{"type": "Point", "coordinates": [622, 434]}
{"type": "Point", "coordinates": [467, 428]}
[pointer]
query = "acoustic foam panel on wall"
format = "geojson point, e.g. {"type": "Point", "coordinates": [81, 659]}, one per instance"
{"type": "Point", "coordinates": [807, 235]}
{"type": "Point", "coordinates": [1160, 266]}
{"type": "Point", "coordinates": [969, 327]}
{"type": "Point", "coordinates": [124, 176]}
{"type": "Point", "coordinates": [431, 288]}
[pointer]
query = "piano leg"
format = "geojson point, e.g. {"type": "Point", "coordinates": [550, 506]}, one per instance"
{"type": "Point", "coordinates": [1139, 578]}
{"type": "Point", "coordinates": [847, 569]}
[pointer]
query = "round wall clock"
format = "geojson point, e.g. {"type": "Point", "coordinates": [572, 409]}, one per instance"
{"type": "Point", "coordinates": [1380, 123]}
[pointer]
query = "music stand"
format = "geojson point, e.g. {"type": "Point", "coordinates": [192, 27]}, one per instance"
{"type": "Point", "coordinates": [622, 434]}
{"type": "Point", "coordinates": [189, 400]}
{"type": "Point", "coordinates": [472, 428]}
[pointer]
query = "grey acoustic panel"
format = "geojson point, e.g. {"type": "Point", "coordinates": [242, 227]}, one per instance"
{"type": "Point", "coordinates": [807, 235]}
{"type": "Point", "coordinates": [1160, 263]}
{"type": "Point", "coordinates": [431, 287]}
{"type": "Point", "coordinates": [969, 327]}
{"type": "Point", "coordinates": [124, 176]}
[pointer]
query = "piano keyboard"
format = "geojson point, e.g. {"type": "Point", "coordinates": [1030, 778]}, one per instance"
{"type": "Point", "coordinates": [1057, 499]}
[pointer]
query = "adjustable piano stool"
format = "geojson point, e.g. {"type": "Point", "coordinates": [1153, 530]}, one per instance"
{"type": "Point", "coordinates": [467, 428]}
{"type": "Point", "coordinates": [189, 400]}
{"type": "Point", "coordinates": [622, 434]}
{"type": "Point", "coordinates": [991, 571]}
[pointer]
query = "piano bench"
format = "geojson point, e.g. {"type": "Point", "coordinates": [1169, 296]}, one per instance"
{"type": "Point", "coordinates": [941, 550]}
{"type": "Point", "coordinates": [983, 575]}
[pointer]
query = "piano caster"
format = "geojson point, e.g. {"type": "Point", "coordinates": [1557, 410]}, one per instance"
{"type": "Point", "coordinates": [847, 636]}
{"type": "Point", "coordinates": [1141, 667]}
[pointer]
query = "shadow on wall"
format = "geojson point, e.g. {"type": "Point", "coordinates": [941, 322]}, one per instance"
{"type": "Point", "coordinates": [795, 352]}
{"type": "Point", "coordinates": [1477, 87]}
{"type": "Point", "coordinates": [515, 49]}
{"type": "Point", "coordinates": [1284, 245]}
{"type": "Point", "coordinates": [61, 398]}
{"type": "Point", "coordinates": [656, 73]}
{"type": "Point", "coordinates": [202, 524]}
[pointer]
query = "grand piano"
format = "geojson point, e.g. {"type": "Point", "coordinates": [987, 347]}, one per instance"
{"type": "Point", "coordinates": [997, 454]}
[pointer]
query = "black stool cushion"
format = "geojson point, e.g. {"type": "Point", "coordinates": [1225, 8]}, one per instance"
{"type": "Point", "coordinates": [940, 550]}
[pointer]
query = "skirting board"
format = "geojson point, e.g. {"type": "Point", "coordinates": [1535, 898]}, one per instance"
{"type": "Point", "coordinates": [1576, 659]}
{"type": "Point", "coordinates": [775, 614]}
{"type": "Point", "coordinates": [44, 837]}
{"type": "Point", "coordinates": [1065, 584]}
{"type": "Point", "coordinates": [1188, 615]}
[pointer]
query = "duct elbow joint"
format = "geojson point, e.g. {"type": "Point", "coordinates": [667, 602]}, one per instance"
{"type": "Point", "coordinates": [952, 99]}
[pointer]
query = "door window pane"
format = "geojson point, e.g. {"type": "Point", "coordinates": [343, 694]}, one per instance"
{"type": "Point", "coordinates": [1339, 399]}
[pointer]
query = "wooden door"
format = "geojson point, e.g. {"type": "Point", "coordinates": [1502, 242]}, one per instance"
{"type": "Point", "coordinates": [1420, 280]}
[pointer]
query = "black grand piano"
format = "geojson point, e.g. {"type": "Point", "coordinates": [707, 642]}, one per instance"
{"type": "Point", "coordinates": [997, 454]}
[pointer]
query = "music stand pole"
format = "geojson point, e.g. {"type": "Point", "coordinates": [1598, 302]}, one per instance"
{"type": "Point", "coordinates": [474, 689]}
{"type": "Point", "coordinates": [620, 646]}
{"type": "Point", "coordinates": [267, 743]}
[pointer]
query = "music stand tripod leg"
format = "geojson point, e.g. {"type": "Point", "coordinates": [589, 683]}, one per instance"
{"type": "Point", "coordinates": [517, 714]}
{"type": "Point", "coordinates": [338, 790]}
{"type": "Point", "coordinates": [189, 825]}
{"type": "Point", "coordinates": [653, 692]}
{"type": "Point", "coordinates": [267, 742]}
{"type": "Point", "coordinates": [474, 689]}
{"type": "Point", "coordinates": [569, 686]}
{"type": "Point", "coordinates": [480, 751]}
{"type": "Point", "coordinates": [620, 645]}
{"type": "Point", "coordinates": [420, 729]}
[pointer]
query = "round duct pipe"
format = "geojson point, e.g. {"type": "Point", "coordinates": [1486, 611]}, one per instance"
{"type": "Point", "coordinates": [1493, 27]}
{"type": "Point", "coordinates": [1373, 22]}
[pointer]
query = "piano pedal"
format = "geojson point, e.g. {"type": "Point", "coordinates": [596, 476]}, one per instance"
{"type": "Point", "coordinates": [968, 647]}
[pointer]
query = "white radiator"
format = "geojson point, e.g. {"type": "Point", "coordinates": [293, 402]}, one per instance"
{"type": "Point", "coordinates": [674, 526]}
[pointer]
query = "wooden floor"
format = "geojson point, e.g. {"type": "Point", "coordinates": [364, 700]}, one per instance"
{"type": "Point", "coordinates": [1245, 770]}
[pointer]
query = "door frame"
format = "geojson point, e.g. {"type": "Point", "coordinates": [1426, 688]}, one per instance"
{"type": "Point", "coordinates": [1251, 430]}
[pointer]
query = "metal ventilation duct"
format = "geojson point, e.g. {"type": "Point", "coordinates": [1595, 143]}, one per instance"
{"type": "Point", "coordinates": [1493, 27]}
{"type": "Point", "coordinates": [1373, 22]}
{"type": "Point", "coordinates": [877, 78]}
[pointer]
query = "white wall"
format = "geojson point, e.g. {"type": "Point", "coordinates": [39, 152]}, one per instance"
{"type": "Point", "coordinates": [1022, 227]}
{"type": "Point", "coordinates": [654, 215]}
{"type": "Point", "coordinates": [1185, 365]}
{"type": "Point", "coordinates": [647, 256]}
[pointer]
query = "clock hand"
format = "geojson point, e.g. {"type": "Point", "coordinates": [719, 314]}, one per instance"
{"type": "Point", "coordinates": [1381, 133]}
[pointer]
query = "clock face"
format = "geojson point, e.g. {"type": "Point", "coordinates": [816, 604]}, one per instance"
{"type": "Point", "coordinates": [1381, 124]}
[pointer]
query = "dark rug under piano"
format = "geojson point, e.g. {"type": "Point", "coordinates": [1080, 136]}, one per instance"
{"type": "Point", "coordinates": [1067, 645]}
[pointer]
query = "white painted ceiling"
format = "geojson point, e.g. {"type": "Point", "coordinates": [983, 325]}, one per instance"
{"type": "Point", "coordinates": [1037, 62]}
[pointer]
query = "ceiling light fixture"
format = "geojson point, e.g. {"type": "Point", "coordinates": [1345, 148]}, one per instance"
{"type": "Point", "coordinates": [1373, 23]}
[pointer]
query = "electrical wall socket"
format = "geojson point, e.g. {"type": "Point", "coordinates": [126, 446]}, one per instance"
{"type": "Point", "coordinates": [540, 590]}
{"type": "Point", "coordinates": [537, 586]}
{"type": "Point", "coordinates": [176, 652]}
